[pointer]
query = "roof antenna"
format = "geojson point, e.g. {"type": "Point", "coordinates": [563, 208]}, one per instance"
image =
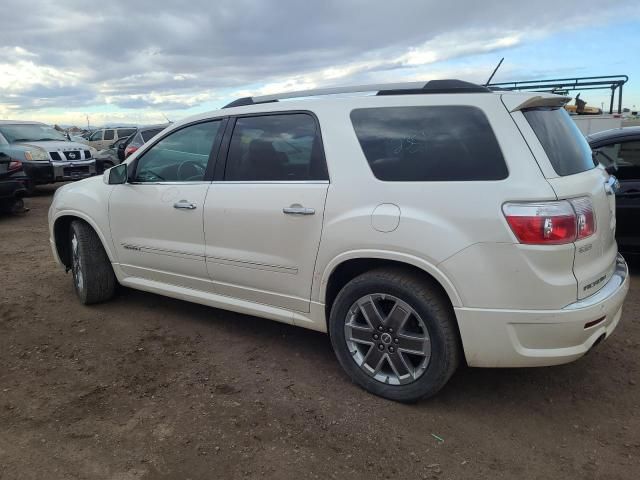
{"type": "Point", "coordinates": [166, 118]}
{"type": "Point", "coordinates": [494, 72]}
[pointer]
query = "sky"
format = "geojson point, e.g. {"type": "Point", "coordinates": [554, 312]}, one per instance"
{"type": "Point", "coordinates": [151, 60]}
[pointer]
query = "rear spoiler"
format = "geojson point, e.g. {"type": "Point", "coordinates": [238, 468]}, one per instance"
{"type": "Point", "coordinates": [515, 103]}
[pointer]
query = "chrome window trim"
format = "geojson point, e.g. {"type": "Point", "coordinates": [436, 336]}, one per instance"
{"type": "Point", "coordinates": [269, 182]}
{"type": "Point", "coordinates": [198, 182]}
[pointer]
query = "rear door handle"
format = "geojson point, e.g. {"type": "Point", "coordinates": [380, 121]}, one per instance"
{"type": "Point", "coordinates": [298, 210]}
{"type": "Point", "coordinates": [185, 205]}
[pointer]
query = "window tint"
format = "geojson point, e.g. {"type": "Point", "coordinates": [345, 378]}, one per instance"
{"type": "Point", "coordinates": [566, 147]}
{"type": "Point", "coordinates": [125, 132]}
{"type": "Point", "coordinates": [621, 159]}
{"type": "Point", "coordinates": [109, 134]}
{"type": "Point", "coordinates": [182, 156]}
{"type": "Point", "coordinates": [96, 136]}
{"type": "Point", "coordinates": [276, 147]}
{"type": "Point", "coordinates": [149, 134]}
{"type": "Point", "coordinates": [428, 144]}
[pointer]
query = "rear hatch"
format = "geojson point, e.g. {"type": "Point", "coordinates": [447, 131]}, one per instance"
{"type": "Point", "coordinates": [566, 161]}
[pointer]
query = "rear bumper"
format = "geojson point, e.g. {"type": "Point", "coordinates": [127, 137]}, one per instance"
{"type": "Point", "coordinates": [532, 338]}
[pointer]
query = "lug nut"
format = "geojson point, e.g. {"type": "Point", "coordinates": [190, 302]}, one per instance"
{"type": "Point", "coordinates": [380, 346]}
{"type": "Point", "coordinates": [380, 328]}
{"type": "Point", "coordinates": [396, 340]}
{"type": "Point", "coordinates": [391, 349]}
{"type": "Point", "coordinates": [390, 330]}
{"type": "Point", "coordinates": [376, 336]}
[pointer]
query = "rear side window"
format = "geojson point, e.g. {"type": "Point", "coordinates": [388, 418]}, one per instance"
{"type": "Point", "coordinates": [429, 144]}
{"type": "Point", "coordinates": [564, 144]}
{"type": "Point", "coordinates": [109, 134]}
{"type": "Point", "coordinates": [283, 147]}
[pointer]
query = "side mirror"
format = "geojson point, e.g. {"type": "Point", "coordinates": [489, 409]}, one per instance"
{"type": "Point", "coordinates": [116, 175]}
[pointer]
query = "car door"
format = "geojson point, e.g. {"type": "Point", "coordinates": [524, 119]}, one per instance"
{"type": "Point", "coordinates": [263, 215]}
{"type": "Point", "coordinates": [622, 159]}
{"type": "Point", "coordinates": [156, 217]}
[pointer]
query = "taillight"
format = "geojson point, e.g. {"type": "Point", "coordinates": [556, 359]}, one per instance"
{"type": "Point", "coordinates": [584, 217]}
{"type": "Point", "coordinates": [551, 223]}
{"type": "Point", "coordinates": [129, 150]}
{"type": "Point", "coordinates": [15, 165]}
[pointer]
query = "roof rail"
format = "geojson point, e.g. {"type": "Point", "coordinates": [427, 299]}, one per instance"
{"type": "Point", "coordinates": [406, 88]}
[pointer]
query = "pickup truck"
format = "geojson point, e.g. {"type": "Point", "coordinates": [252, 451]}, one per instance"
{"type": "Point", "coordinates": [44, 154]}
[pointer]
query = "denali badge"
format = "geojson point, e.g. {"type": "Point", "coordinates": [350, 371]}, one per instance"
{"type": "Point", "coordinates": [594, 283]}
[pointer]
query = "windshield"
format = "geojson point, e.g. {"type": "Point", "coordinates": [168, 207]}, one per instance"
{"type": "Point", "coordinates": [30, 132]}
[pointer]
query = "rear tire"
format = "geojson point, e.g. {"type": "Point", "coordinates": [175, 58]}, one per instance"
{"type": "Point", "coordinates": [93, 277]}
{"type": "Point", "coordinates": [395, 334]}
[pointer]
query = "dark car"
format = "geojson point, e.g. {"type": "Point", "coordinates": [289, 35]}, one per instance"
{"type": "Point", "coordinates": [138, 139]}
{"type": "Point", "coordinates": [109, 157]}
{"type": "Point", "coordinates": [618, 150]}
{"type": "Point", "coordinates": [12, 186]}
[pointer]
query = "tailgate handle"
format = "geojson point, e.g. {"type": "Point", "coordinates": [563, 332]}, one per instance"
{"type": "Point", "coordinates": [612, 185]}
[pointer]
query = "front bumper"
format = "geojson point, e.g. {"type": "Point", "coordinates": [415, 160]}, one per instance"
{"type": "Point", "coordinates": [534, 338]}
{"type": "Point", "coordinates": [49, 172]}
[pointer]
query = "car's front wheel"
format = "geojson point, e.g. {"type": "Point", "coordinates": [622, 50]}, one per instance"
{"type": "Point", "coordinates": [93, 277]}
{"type": "Point", "coordinates": [394, 333]}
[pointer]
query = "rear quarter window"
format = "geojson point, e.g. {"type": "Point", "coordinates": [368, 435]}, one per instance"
{"type": "Point", "coordinates": [562, 140]}
{"type": "Point", "coordinates": [429, 144]}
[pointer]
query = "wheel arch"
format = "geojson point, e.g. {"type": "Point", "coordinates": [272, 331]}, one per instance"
{"type": "Point", "coordinates": [348, 265]}
{"type": "Point", "coordinates": [61, 235]}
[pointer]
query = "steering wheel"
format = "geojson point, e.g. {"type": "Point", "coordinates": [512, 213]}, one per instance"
{"type": "Point", "coordinates": [190, 171]}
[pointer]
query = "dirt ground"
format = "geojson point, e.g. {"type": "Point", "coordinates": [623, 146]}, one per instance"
{"type": "Point", "coordinates": [147, 387]}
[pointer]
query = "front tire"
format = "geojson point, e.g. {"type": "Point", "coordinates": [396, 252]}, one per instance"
{"type": "Point", "coordinates": [93, 277]}
{"type": "Point", "coordinates": [395, 334]}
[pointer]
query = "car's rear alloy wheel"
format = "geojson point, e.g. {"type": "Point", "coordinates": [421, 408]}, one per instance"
{"type": "Point", "coordinates": [394, 332]}
{"type": "Point", "coordinates": [93, 277]}
{"type": "Point", "coordinates": [387, 339]}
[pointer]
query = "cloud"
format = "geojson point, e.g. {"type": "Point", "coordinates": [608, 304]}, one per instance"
{"type": "Point", "coordinates": [161, 55]}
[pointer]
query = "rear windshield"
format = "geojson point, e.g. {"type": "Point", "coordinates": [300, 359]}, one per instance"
{"type": "Point", "coordinates": [149, 134]}
{"type": "Point", "coordinates": [561, 139]}
{"type": "Point", "coordinates": [429, 144]}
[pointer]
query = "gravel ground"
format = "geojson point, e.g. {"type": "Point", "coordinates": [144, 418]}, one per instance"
{"type": "Point", "coordinates": [147, 387]}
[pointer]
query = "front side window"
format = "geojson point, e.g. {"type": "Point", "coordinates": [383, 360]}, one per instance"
{"type": "Point", "coordinates": [182, 156]}
{"type": "Point", "coordinates": [429, 144]}
{"type": "Point", "coordinates": [283, 147]}
{"type": "Point", "coordinates": [621, 159]}
{"type": "Point", "coordinates": [96, 136]}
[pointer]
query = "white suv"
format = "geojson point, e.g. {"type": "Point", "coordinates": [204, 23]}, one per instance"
{"type": "Point", "coordinates": [422, 226]}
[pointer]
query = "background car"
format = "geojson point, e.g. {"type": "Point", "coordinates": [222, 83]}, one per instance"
{"type": "Point", "coordinates": [44, 154]}
{"type": "Point", "coordinates": [142, 136]}
{"type": "Point", "coordinates": [109, 157]}
{"type": "Point", "coordinates": [12, 188]}
{"type": "Point", "coordinates": [618, 150]}
{"type": "Point", "coordinates": [103, 137]}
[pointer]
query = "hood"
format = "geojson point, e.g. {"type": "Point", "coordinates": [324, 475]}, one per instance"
{"type": "Point", "coordinates": [55, 146]}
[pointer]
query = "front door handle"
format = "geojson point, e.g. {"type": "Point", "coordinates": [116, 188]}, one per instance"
{"type": "Point", "coordinates": [185, 205]}
{"type": "Point", "coordinates": [298, 210]}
